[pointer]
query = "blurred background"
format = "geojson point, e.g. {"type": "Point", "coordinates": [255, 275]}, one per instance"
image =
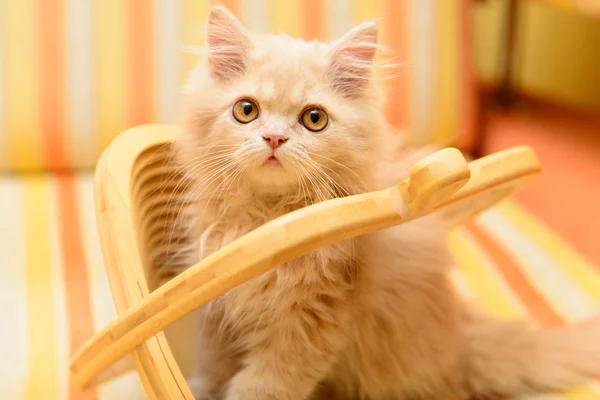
{"type": "Point", "coordinates": [481, 75]}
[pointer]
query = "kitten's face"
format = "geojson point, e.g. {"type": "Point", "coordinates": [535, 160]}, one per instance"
{"type": "Point", "coordinates": [282, 114]}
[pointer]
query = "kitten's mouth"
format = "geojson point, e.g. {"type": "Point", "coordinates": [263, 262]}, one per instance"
{"type": "Point", "coordinates": [272, 160]}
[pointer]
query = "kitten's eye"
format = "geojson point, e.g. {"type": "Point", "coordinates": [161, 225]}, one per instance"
{"type": "Point", "coordinates": [245, 111]}
{"type": "Point", "coordinates": [314, 119]}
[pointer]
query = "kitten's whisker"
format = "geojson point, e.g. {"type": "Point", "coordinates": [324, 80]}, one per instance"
{"type": "Point", "coordinates": [341, 165]}
{"type": "Point", "coordinates": [225, 182]}
{"type": "Point", "coordinates": [214, 175]}
{"type": "Point", "coordinates": [317, 174]}
{"type": "Point", "coordinates": [307, 197]}
{"type": "Point", "coordinates": [338, 190]}
{"type": "Point", "coordinates": [169, 209]}
{"type": "Point", "coordinates": [300, 183]}
{"type": "Point", "coordinates": [196, 186]}
{"type": "Point", "coordinates": [222, 172]}
{"type": "Point", "coordinates": [315, 186]}
{"type": "Point", "coordinates": [337, 185]}
{"type": "Point", "coordinates": [196, 168]}
{"type": "Point", "coordinates": [319, 168]}
{"type": "Point", "coordinates": [189, 167]}
{"type": "Point", "coordinates": [305, 180]}
{"type": "Point", "coordinates": [212, 146]}
{"type": "Point", "coordinates": [172, 175]}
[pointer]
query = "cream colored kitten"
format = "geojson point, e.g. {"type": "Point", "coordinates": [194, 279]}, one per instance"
{"type": "Point", "coordinates": [273, 124]}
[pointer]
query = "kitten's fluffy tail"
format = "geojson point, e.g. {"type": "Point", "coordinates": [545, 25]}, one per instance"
{"type": "Point", "coordinates": [511, 358]}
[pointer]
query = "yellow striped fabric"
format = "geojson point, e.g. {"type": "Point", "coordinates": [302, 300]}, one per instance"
{"type": "Point", "coordinates": [516, 267]}
{"type": "Point", "coordinates": [54, 291]}
{"type": "Point", "coordinates": [75, 73]}
{"type": "Point", "coordinates": [53, 288]}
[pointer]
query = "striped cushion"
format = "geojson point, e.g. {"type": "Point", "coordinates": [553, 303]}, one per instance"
{"type": "Point", "coordinates": [53, 287]}
{"type": "Point", "coordinates": [74, 73]}
{"type": "Point", "coordinates": [54, 291]}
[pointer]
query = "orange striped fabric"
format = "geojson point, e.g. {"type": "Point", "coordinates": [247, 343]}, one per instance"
{"type": "Point", "coordinates": [55, 293]}
{"type": "Point", "coordinates": [513, 276]}
{"type": "Point", "coordinates": [52, 90]}
{"type": "Point", "coordinates": [79, 310]}
{"type": "Point", "coordinates": [75, 73]}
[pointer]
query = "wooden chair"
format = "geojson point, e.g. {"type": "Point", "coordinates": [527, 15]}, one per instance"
{"type": "Point", "coordinates": [135, 182]}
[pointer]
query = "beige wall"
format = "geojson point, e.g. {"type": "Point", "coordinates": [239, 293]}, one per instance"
{"type": "Point", "coordinates": [558, 51]}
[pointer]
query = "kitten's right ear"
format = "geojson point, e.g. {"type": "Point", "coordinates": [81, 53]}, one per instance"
{"type": "Point", "coordinates": [228, 44]}
{"type": "Point", "coordinates": [352, 59]}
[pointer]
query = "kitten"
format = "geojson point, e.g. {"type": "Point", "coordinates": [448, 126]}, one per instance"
{"type": "Point", "coordinates": [272, 124]}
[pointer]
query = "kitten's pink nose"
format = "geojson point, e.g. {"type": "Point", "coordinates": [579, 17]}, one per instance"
{"type": "Point", "coordinates": [275, 141]}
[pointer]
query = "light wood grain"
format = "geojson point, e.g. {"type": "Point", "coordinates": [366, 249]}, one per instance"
{"type": "Point", "coordinates": [159, 373]}
{"type": "Point", "coordinates": [129, 192]}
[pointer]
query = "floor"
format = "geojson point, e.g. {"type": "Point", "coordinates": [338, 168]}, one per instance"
{"type": "Point", "coordinates": [567, 195]}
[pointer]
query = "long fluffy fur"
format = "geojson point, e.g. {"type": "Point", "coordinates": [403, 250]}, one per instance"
{"type": "Point", "coordinates": [371, 318]}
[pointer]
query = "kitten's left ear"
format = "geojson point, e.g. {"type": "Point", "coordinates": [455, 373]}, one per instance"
{"type": "Point", "coordinates": [228, 44]}
{"type": "Point", "coordinates": [352, 59]}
